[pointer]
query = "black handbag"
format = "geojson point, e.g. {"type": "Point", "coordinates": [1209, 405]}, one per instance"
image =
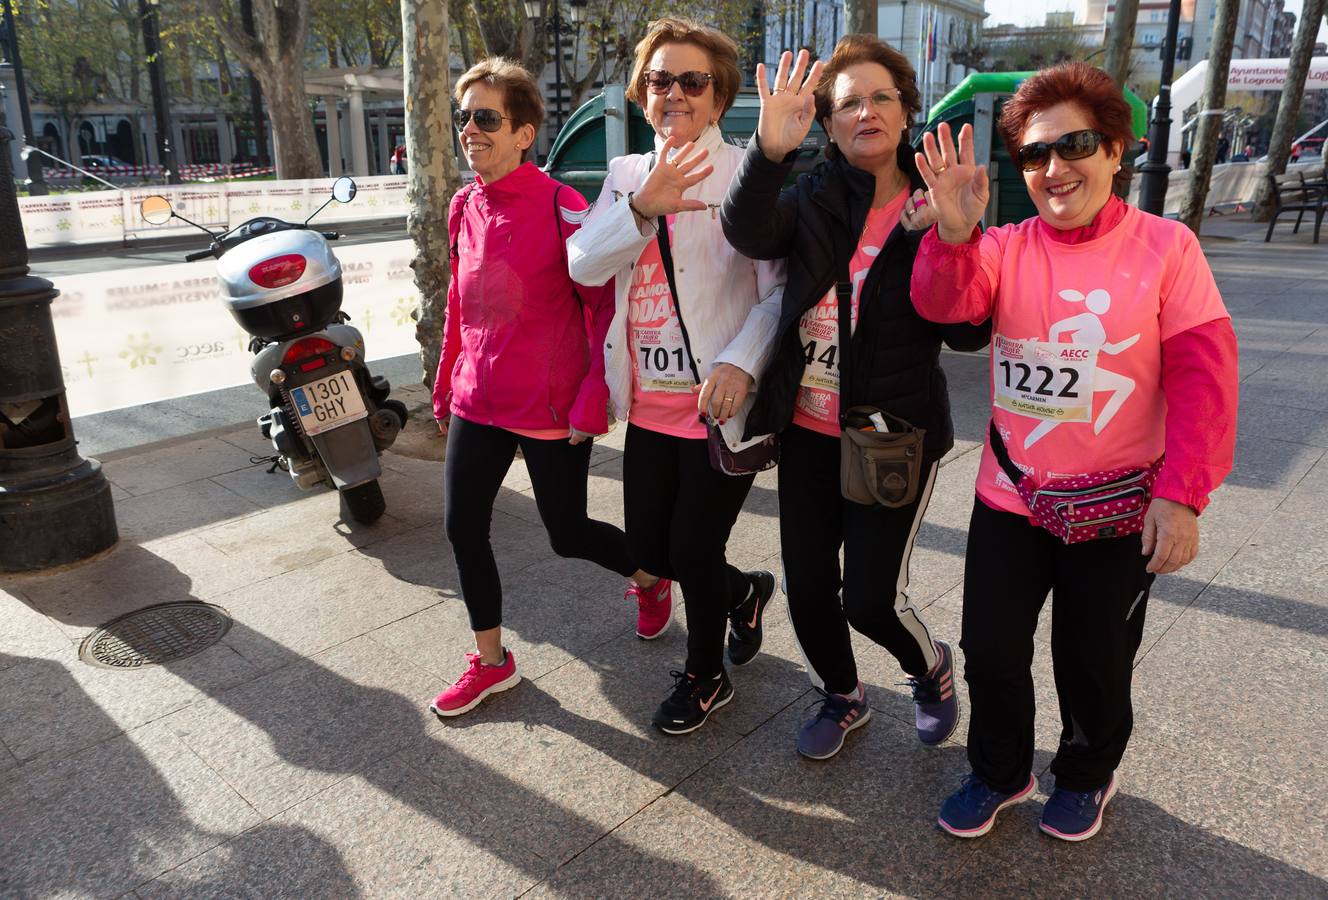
{"type": "Point", "coordinates": [876, 464]}
{"type": "Point", "coordinates": [757, 457]}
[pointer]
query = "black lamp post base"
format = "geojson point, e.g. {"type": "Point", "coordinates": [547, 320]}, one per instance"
{"type": "Point", "coordinates": [55, 509]}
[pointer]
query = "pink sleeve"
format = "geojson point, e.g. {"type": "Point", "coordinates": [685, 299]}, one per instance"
{"type": "Point", "coordinates": [953, 282]}
{"type": "Point", "coordinates": [1199, 381]}
{"type": "Point", "coordinates": [1189, 294]}
{"type": "Point", "coordinates": [590, 409]}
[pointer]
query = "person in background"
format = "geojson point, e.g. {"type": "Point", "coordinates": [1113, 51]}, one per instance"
{"type": "Point", "coordinates": [517, 368]}
{"type": "Point", "coordinates": [679, 509]}
{"type": "Point", "coordinates": [1113, 361]}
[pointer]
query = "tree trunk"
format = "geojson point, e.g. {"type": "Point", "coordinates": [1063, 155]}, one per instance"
{"type": "Point", "coordinates": [1288, 110]}
{"type": "Point", "coordinates": [859, 17]}
{"type": "Point", "coordinates": [1210, 116]}
{"type": "Point", "coordinates": [275, 55]}
{"type": "Point", "coordinates": [432, 169]}
{"type": "Point", "coordinates": [1120, 41]}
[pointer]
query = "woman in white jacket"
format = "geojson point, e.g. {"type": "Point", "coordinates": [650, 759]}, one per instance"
{"type": "Point", "coordinates": [678, 509]}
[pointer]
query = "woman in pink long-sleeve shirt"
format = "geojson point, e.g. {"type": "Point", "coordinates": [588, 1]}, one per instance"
{"type": "Point", "coordinates": [1111, 349]}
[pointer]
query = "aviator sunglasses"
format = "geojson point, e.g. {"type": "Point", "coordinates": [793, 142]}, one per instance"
{"type": "Point", "coordinates": [693, 84]}
{"type": "Point", "coordinates": [489, 120]}
{"type": "Point", "coordinates": [1075, 145]}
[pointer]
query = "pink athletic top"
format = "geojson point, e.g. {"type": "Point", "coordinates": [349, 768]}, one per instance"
{"type": "Point", "coordinates": [662, 380]}
{"type": "Point", "coordinates": [817, 404]}
{"type": "Point", "coordinates": [1094, 331]}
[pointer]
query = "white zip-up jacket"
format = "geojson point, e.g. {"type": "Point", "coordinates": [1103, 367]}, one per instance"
{"type": "Point", "coordinates": [729, 303]}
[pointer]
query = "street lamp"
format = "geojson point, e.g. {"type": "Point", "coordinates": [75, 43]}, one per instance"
{"type": "Point", "coordinates": [554, 26]}
{"type": "Point", "coordinates": [36, 186]}
{"type": "Point", "coordinates": [147, 10]}
{"type": "Point", "coordinates": [1155, 172]}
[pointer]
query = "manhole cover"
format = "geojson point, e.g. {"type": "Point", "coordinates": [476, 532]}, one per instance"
{"type": "Point", "coordinates": [154, 635]}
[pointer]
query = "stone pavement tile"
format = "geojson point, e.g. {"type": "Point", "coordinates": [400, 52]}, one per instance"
{"type": "Point", "coordinates": [1261, 460]}
{"type": "Point", "coordinates": [57, 705]}
{"type": "Point", "coordinates": [263, 488]}
{"type": "Point", "coordinates": [1261, 418]}
{"type": "Point", "coordinates": [412, 499]}
{"type": "Point", "coordinates": [1283, 559]}
{"type": "Point", "coordinates": [289, 735]}
{"type": "Point", "coordinates": [388, 832]}
{"type": "Point", "coordinates": [1194, 692]}
{"type": "Point", "coordinates": [298, 534]}
{"type": "Point", "coordinates": [26, 632]}
{"type": "Point", "coordinates": [857, 814]}
{"type": "Point", "coordinates": [1294, 620]}
{"type": "Point", "coordinates": [111, 817]}
{"type": "Point", "coordinates": [668, 850]}
{"type": "Point", "coordinates": [1286, 386]}
{"type": "Point", "coordinates": [131, 577]}
{"type": "Point", "coordinates": [249, 438]}
{"type": "Point", "coordinates": [309, 610]}
{"type": "Point", "coordinates": [544, 625]}
{"type": "Point", "coordinates": [155, 470]}
{"type": "Point", "coordinates": [118, 494]}
{"type": "Point", "coordinates": [181, 509]}
{"type": "Point", "coordinates": [7, 760]}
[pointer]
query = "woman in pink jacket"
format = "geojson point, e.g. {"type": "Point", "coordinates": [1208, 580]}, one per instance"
{"type": "Point", "coordinates": [516, 368]}
{"type": "Point", "coordinates": [1113, 380]}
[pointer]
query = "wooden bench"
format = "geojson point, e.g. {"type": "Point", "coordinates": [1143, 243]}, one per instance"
{"type": "Point", "coordinates": [1292, 192]}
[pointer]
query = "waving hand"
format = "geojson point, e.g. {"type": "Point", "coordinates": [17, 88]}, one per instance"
{"type": "Point", "coordinates": [787, 111]}
{"type": "Point", "coordinates": [957, 189]}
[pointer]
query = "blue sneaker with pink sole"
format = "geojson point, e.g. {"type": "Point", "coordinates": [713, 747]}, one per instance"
{"type": "Point", "coordinates": [1077, 815]}
{"type": "Point", "coordinates": [971, 811]}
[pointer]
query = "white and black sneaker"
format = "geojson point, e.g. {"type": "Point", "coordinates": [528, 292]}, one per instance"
{"type": "Point", "coordinates": [692, 701]}
{"type": "Point", "coordinates": [745, 628]}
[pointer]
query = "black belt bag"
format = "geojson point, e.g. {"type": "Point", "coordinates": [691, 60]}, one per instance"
{"type": "Point", "coordinates": [880, 454]}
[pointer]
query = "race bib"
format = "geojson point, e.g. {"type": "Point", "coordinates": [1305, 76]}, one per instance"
{"type": "Point", "coordinates": [1053, 382]}
{"type": "Point", "coordinates": [658, 352]}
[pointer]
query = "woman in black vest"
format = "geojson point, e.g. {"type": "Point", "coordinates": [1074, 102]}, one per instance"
{"type": "Point", "coordinates": [856, 219]}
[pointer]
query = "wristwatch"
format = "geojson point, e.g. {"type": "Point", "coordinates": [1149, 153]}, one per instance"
{"type": "Point", "coordinates": [631, 195]}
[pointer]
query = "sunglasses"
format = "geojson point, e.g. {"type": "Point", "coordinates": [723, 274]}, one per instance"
{"type": "Point", "coordinates": [1075, 145]}
{"type": "Point", "coordinates": [693, 84]}
{"type": "Point", "coordinates": [489, 120]}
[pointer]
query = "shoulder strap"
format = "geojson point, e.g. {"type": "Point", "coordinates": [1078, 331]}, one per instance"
{"type": "Point", "coordinates": [454, 226]}
{"type": "Point", "coordinates": [562, 242]}
{"type": "Point", "coordinates": [666, 257]}
{"type": "Point", "coordinates": [844, 293]}
{"type": "Point", "coordinates": [1002, 455]}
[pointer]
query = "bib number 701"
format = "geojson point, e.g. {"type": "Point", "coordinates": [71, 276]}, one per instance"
{"type": "Point", "coordinates": [659, 357]}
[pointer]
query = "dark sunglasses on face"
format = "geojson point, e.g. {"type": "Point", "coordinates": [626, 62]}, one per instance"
{"type": "Point", "coordinates": [1075, 145]}
{"type": "Point", "coordinates": [489, 120]}
{"type": "Point", "coordinates": [693, 84]}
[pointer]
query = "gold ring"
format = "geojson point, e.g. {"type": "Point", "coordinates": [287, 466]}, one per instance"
{"type": "Point", "coordinates": [940, 170]}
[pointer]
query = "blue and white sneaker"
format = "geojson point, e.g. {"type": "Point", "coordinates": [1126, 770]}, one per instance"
{"type": "Point", "coordinates": [1077, 815]}
{"type": "Point", "coordinates": [935, 703]}
{"type": "Point", "coordinates": [971, 811]}
{"type": "Point", "coordinates": [823, 736]}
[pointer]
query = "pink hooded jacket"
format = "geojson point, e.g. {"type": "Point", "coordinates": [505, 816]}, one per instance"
{"type": "Point", "coordinates": [516, 351]}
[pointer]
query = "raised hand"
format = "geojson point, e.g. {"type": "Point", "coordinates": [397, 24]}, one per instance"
{"type": "Point", "coordinates": [787, 111]}
{"type": "Point", "coordinates": [678, 169]}
{"type": "Point", "coordinates": [957, 189]}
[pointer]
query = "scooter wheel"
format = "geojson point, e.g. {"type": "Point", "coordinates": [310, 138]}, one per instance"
{"type": "Point", "coordinates": [364, 503]}
{"type": "Point", "coordinates": [399, 409]}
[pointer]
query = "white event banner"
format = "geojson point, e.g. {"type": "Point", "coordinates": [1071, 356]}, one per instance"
{"type": "Point", "coordinates": [108, 216]}
{"type": "Point", "coordinates": [1230, 183]}
{"type": "Point", "coordinates": [134, 336]}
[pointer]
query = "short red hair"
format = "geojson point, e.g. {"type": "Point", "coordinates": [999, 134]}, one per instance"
{"type": "Point", "coordinates": [1087, 87]}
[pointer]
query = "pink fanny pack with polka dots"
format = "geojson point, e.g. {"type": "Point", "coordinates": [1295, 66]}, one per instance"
{"type": "Point", "coordinates": [1083, 507]}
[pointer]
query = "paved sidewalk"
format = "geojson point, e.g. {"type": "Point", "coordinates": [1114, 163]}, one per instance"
{"type": "Point", "coordinates": [298, 757]}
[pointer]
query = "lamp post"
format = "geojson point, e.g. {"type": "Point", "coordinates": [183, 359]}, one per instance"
{"type": "Point", "coordinates": [147, 10]}
{"type": "Point", "coordinates": [554, 26]}
{"type": "Point", "coordinates": [36, 184]}
{"type": "Point", "coordinates": [1155, 172]}
{"type": "Point", "coordinates": [55, 506]}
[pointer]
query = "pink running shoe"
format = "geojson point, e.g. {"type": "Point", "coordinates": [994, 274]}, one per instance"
{"type": "Point", "coordinates": [476, 683]}
{"type": "Point", "coordinates": [654, 608]}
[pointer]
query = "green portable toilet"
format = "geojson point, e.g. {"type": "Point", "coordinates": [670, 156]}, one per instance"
{"type": "Point", "coordinates": [977, 101]}
{"type": "Point", "coordinates": [580, 154]}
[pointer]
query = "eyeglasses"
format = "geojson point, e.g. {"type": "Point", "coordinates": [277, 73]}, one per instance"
{"type": "Point", "coordinates": [1075, 145]}
{"type": "Point", "coordinates": [489, 120]}
{"type": "Point", "coordinates": [693, 84]}
{"type": "Point", "coordinates": [881, 99]}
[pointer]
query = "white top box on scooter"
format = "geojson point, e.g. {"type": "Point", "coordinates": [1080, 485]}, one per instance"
{"type": "Point", "coordinates": [281, 284]}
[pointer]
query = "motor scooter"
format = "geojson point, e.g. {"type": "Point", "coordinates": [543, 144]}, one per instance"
{"type": "Point", "coordinates": [329, 417]}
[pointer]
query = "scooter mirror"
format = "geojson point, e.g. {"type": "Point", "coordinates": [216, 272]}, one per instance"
{"type": "Point", "coordinates": [343, 189]}
{"type": "Point", "coordinates": [155, 210]}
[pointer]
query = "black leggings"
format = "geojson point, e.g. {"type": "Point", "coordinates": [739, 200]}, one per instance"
{"type": "Point", "coordinates": [478, 457]}
{"type": "Point", "coordinates": [1099, 594]}
{"type": "Point", "coordinates": [679, 513]}
{"type": "Point", "coordinates": [814, 522]}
